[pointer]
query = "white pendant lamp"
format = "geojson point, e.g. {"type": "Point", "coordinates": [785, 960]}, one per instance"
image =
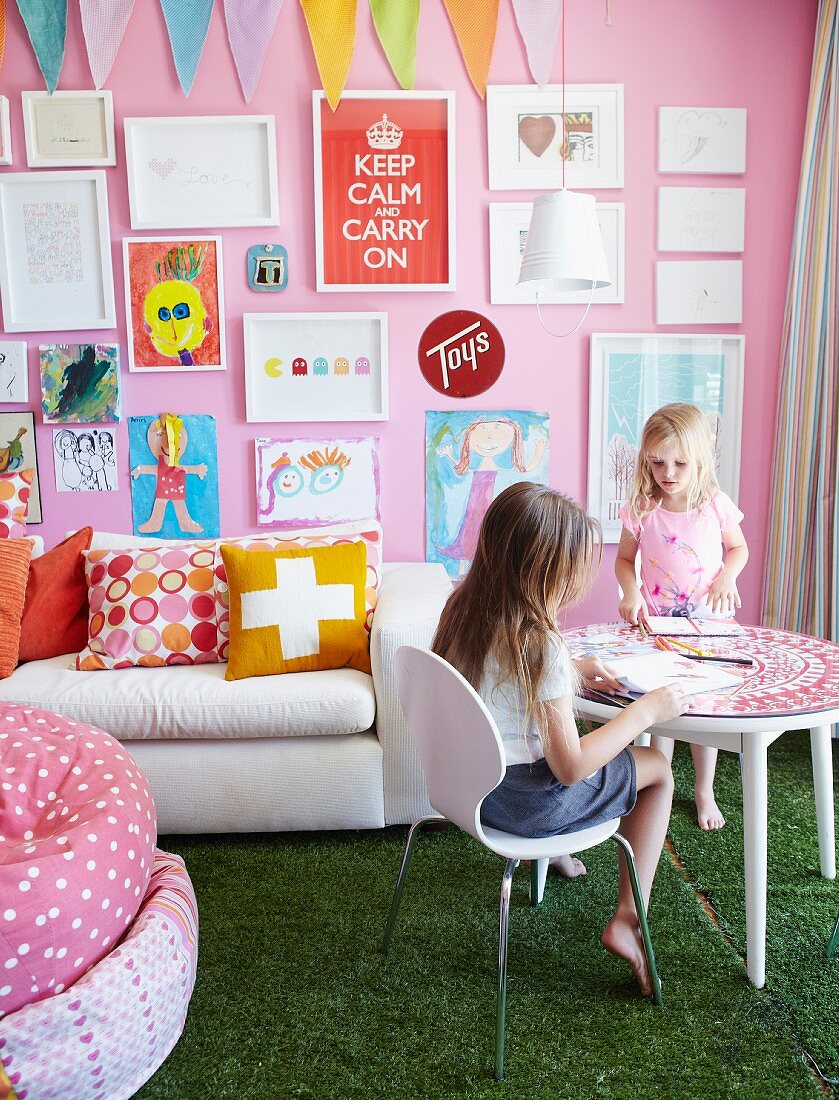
{"type": "Point", "coordinates": [564, 250]}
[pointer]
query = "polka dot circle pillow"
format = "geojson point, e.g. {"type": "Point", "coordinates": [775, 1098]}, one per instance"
{"type": "Point", "coordinates": [150, 606]}
{"type": "Point", "coordinates": [77, 837]}
{"type": "Point", "coordinates": [14, 502]}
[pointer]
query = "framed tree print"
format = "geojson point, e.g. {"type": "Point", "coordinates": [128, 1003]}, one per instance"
{"type": "Point", "coordinates": [384, 191]}
{"type": "Point", "coordinates": [634, 374]}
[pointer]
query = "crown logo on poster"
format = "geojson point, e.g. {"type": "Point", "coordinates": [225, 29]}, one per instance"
{"type": "Point", "coordinates": [384, 134]}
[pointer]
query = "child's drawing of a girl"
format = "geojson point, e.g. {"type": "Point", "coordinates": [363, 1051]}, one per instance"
{"type": "Point", "coordinates": [171, 475]}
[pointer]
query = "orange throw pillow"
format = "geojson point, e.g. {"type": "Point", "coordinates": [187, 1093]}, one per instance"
{"type": "Point", "coordinates": [55, 612]}
{"type": "Point", "coordinates": [14, 569]}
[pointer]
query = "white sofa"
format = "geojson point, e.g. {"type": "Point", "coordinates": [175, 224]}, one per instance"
{"type": "Point", "coordinates": [308, 750]}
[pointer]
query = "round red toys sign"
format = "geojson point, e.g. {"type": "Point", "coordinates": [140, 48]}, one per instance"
{"type": "Point", "coordinates": [461, 353]}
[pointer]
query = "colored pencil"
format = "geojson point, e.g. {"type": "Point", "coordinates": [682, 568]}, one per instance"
{"type": "Point", "coordinates": [689, 648]}
{"type": "Point", "coordinates": [721, 660]}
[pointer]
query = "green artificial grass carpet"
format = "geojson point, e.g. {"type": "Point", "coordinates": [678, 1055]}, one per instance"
{"type": "Point", "coordinates": [294, 999]}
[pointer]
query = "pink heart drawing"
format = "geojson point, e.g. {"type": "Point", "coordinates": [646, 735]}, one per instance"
{"type": "Point", "coordinates": [87, 1037]}
{"type": "Point", "coordinates": [162, 168]}
{"type": "Point", "coordinates": [95, 1072]}
{"type": "Point", "coordinates": [74, 1005]}
{"type": "Point", "coordinates": [537, 133]}
{"type": "Point", "coordinates": [80, 1021]}
{"type": "Point", "coordinates": [94, 1054]}
{"type": "Point", "coordinates": [136, 980]}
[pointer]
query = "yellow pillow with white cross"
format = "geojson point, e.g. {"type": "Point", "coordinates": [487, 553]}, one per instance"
{"type": "Point", "coordinates": [296, 610]}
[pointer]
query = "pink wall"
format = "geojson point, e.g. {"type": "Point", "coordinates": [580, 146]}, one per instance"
{"type": "Point", "coordinates": [755, 54]}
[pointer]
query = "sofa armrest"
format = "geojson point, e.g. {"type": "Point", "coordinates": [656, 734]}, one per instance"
{"type": "Point", "coordinates": [410, 600]}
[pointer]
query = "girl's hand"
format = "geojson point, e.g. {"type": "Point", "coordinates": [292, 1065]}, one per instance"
{"type": "Point", "coordinates": [595, 674]}
{"type": "Point", "coordinates": [632, 608]}
{"type": "Point", "coordinates": [723, 596]}
{"type": "Point", "coordinates": [664, 703]}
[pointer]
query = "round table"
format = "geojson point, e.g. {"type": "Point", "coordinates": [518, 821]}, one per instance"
{"type": "Point", "coordinates": [793, 684]}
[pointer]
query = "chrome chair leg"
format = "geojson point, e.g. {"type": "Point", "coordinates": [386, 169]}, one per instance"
{"type": "Point", "coordinates": [501, 999]}
{"type": "Point", "coordinates": [834, 941]}
{"type": "Point", "coordinates": [641, 910]}
{"type": "Point", "coordinates": [400, 881]}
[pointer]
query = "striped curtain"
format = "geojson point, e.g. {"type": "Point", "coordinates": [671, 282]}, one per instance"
{"type": "Point", "coordinates": [801, 590]}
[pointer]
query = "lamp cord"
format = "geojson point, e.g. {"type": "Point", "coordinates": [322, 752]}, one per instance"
{"type": "Point", "coordinates": [550, 331]}
{"type": "Point", "coordinates": [564, 149]}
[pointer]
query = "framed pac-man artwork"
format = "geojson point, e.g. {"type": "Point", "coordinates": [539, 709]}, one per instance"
{"type": "Point", "coordinates": [315, 366]}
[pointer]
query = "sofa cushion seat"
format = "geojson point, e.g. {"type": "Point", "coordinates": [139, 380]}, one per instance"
{"type": "Point", "coordinates": [195, 701]}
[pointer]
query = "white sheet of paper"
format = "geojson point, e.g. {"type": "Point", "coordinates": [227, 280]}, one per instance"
{"type": "Point", "coordinates": [699, 292]}
{"type": "Point", "coordinates": [701, 219]}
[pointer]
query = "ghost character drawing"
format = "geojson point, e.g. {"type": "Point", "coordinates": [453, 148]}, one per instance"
{"type": "Point", "coordinates": [167, 439]}
{"type": "Point", "coordinates": [285, 480]}
{"type": "Point", "coordinates": [327, 469]}
{"type": "Point", "coordinates": [175, 317]}
{"type": "Point", "coordinates": [320, 366]}
{"type": "Point", "coordinates": [342, 365]}
{"type": "Point", "coordinates": [362, 365]}
{"type": "Point", "coordinates": [299, 367]}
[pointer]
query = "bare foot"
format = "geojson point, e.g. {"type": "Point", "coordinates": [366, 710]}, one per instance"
{"type": "Point", "coordinates": [623, 938]}
{"type": "Point", "coordinates": [708, 814]}
{"type": "Point", "coordinates": [191, 526]}
{"type": "Point", "coordinates": [567, 866]}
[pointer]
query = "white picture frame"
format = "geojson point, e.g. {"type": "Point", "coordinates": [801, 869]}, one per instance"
{"type": "Point", "coordinates": [55, 252]}
{"type": "Point", "coordinates": [701, 219]}
{"type": "Point", "coordinates": [345, 374]}
{"type": "Point", "coordinates": [202, 172]}
{"type": "Point", "coordinates": [699, 292]}
{"type": "Point", "coordinates": [14, 372]}
{"type": "Point", "coordinates": [702, 139]}
{"type": "Point", "coordinates": [632, 375]}
{"type": "Point", "coordinates": [524, 136]}
{"type": "Point", "coordinates": [69, 129]}
{"type": "Point", "coordinates": [5, 131]}
{"type": "Point", "coordinates": [508, 225]}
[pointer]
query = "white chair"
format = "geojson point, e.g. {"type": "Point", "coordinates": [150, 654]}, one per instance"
{"type": "Point", "coordinates": [463, 759]}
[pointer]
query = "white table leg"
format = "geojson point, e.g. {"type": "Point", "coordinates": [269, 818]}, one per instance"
{"type": "Point", "coordinates": [821, 751]}
{"type": "Point", "coordinates": [755, 796]}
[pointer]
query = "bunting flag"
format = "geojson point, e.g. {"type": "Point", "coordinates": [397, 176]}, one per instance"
{"type": "Point", "coordinates": [475, 23]}
{"type": "Point", "coordinates": [539, 23]}
{"type": "Point", "coordinates": [332, 31]}
{"type": "Point", "coordinates": [396, 25]}
{"type": "Point", "coordinates": [46, 25]}
{"type": "Point", "coordinates": [250, 27]}
{"type": "Point", "coordinates": [103, 25]}
{"type": "Point", "coordinates": [2, 31]}
{"type": "Point", "coordinates": [187, 22]}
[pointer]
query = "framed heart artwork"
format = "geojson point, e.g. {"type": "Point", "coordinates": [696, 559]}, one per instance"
{"type": "Point", "coordinates": [543, 138]}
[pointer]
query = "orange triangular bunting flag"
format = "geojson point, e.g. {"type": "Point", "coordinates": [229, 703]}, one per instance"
{"type": "Point", "coordinates": [332, 31]}
{"type": "Point", "coordinates": [475, 23]}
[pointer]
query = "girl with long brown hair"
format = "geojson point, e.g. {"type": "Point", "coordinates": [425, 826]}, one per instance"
{"type": "Point", "coordinates": [536, 554]}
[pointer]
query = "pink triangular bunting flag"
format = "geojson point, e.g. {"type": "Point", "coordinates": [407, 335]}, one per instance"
{"type": "Point", "coordinates": [103, 24]}
{"type": "Point", "coordinates": [250, 25]}
{"type": "Point", "coordinates": [539, 22]}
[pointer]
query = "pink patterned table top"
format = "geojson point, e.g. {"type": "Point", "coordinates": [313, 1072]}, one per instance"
{"type": "Point", "coordinates": [792, 673]}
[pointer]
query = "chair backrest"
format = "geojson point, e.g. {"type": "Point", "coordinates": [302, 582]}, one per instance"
{"type": "Point", "coordinates": [456, 738]}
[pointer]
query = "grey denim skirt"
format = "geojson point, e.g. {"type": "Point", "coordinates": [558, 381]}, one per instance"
{"type": "Point", "coordinates": [530, 800]}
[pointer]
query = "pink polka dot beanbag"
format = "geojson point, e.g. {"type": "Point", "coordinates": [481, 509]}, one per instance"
{"type": "Point", "coordinates": [77, 838]}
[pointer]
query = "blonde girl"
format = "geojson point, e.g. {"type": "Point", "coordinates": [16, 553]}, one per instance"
{"type": "Point", "coordinates": [686, 532]}
{"type": "Point", "coordinates": [535, 557]}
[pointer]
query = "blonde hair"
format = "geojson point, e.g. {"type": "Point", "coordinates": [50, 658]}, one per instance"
{"type": "Point", "coordinates": [687, 427]}
{"type": "Point", "coordinates": [537, 553]}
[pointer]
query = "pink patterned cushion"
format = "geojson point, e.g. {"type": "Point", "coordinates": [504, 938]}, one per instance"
{"type": "Point", "coordinates": [109, 1033]}
{"type": "Point", "coordinates": [78, 832]}
{"type": "Point", "coordinates": [370, 534]}
{"type": "Point", "coordinates": [14, 502]}
{"type": "Point", "coordinates": [150, 605]}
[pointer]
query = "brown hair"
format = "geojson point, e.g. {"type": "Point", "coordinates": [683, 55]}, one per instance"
{"type": "Point", "coordinates": [687, 426]}
{"type": "Point", "coordinates": [537, 552]}
{"type": "Point", "coordinates": [466, 445]}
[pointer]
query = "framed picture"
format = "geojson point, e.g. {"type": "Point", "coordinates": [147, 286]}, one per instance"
{"type": "Point", "coordinates": [508, 226]}
{"type": "Point", "coordinates": [530, 141]}
{"type": "Point", "coordinates": [384, 191]}
{"type": "Point", "coordinates": [17, 451]}
{"type": "Point", "coordinates": [55, 252]}
{"type": "Point", "coordinates": [80, 383]}
{"type": "Point", "coordinates": [174, 303]}
{"type": "Point", "coordinates": [315, 482]}
{"type": "Point", "coordinates": [316, 366]}
{"type": "Point", "coordinates": [632, 376]}
{"type": "Point", "coordinates": [470, 456]}
{"type": "Point", "coordinates": [5, 131]}
{"type": "Point", "coordinates": [14, 384]}
{"type": "Point", "coordinates": [202, 171]}
{"type": "Point", "coordinates": [85, 460]}
{"type": "Point", "coordinates": [701, 219]}
{"type": "Point", "coordinates": [702, 139]}
{"type": "Point", "coordinates": [699, 292]}
{"type": "Point", "coordinates": [69, 129]}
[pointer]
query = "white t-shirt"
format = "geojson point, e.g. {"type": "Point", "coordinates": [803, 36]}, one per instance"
{"type": "Point", "coordinates": [506, 705]}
